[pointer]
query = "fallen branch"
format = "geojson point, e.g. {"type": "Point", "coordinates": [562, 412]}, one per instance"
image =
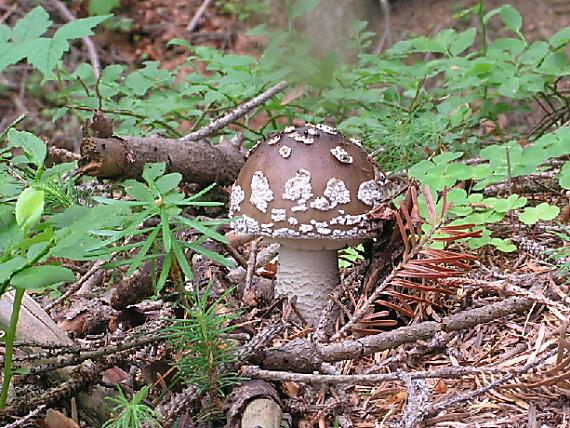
{"type": "Point", "coordinates": [303, 356]}
{"type": "Point", "coordinates": [72, 360]}
{"type": "Point", "coordinates": [367, 379]}
{"type": "Point", "coordinates": [235, 114]}
{"type": "Point", "coordinates": [199, 162]}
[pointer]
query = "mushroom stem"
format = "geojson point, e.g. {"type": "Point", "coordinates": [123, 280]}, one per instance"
{"type": "Point", "coordinates": [310, 275]}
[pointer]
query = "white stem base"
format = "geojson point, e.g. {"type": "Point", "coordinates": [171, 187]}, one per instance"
{"type": "Point", "coordinates": [311, 276]}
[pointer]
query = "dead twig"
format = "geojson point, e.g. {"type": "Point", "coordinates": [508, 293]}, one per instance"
{"type": "Point", "coordinates": [417, 403]}
{"type": "Point", "coordinates": [368, 379]}
{"type": "Point", "coordinates": [22, 421]}
{"type": "Point", "coordinates": [558, 309]}
{"type": "Point", "coordinates": [238, 274]}
{"type": "Point", "coordinates": [387, 36]}
{"type": "Point", "coordinates": [93, 355]}
{"type": "Point", "coordinates": [73, 288]}
{"type": "Point", "coordinates": [235, 114]}
{"type": "Point", "coordinates": [197, 16]}
{"type": "Point", "coordinates": [62, 155]}
{"type": "Point", "coordinates": [248, 296]}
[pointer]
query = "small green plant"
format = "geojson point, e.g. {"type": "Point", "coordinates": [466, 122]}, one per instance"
{"type": "Point", "coordinates": [243, 10]}
{"type": "Point", "coordinates": [562, 254]}
{"type": "Point", "coordinates": [501, 163]}
{"type": "Point", "coordinates": [348, 256]}
{"type": "Point", "coordinates": [205, 350]}
{"type": "Point", "coordinates": [26, 40]}
{"type": "Point", "coordinates": [102, 7]}
{"type": "Point", "coordinates": [160, 198]}
{"type": "Point", "coordinates": [133, 413]}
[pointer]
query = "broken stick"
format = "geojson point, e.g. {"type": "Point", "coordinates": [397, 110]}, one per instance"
{"type": "Point", "coordinates": [198, 162]}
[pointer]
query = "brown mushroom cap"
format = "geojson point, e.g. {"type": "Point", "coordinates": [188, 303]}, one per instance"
{"type": "Point", "coordinates": [308, 182]}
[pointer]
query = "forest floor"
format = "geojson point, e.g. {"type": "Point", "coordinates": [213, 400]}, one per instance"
{"type": "Point", "coordinates": [525, 356]}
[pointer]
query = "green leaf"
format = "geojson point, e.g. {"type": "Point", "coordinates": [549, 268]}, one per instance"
{"type": "Point", "coordinates": [463, 41]}
{"type": "Point", "coordinates": [212, 255]}
{"type": "Point", "coordinates": [490, 14]}
{"type": "Point", "coordinates": [29, 208]}
{"type": "Point", "coordinates": [446, 157]}
{"type": "Point", "coordinates": [510, 87]}
{"type": "Point", "coordinates": [37, 250]}
{"type": "Point", "coordinates": [565, 176]}
{"type": "Point", "coordinates": [142, 252]}
{"type": "Point", "coordinates": [34, 148]}
{"type": "Point", "coordinates": [515, 46]}
{"type": "Point", "coordinates": [138, 191]}
{"type": "Point", "coordinates": [543, 211]}
{"type": "Point", "coordinates": [424, 44]}
{"type": "Point", "coordinates": [166, 232]}
{"type": "Point", "coordinates": [205, 230]}
{"type": "Point", "coordinates": [46, 53]}
{"type": "Point", "coordinates": [11, 266]}
{"type": "Point", "coordinates": [102, 7]}
{"type": "Point", "coordinates": [547, 212]}
{"type": "Point", "coordinates": [180, 42]}
{"type": "Point", "coordinates": [511, 17]}
{"type": "Point", "coordinates": [164, 271]}
{"type": "Point", "coordinates": [555, 63]}
{"type": "Point", "coordinates": [504, 245]}
{"type": "Point", "coordinates": [41, 276]}
{"type": "Point", "coordinates": [153, 170]}
{"type": "Point", "coordinates": [561, 38]}
{"type": "Point", "coordinates": [535, 53]}
{"type": "Point", "coordinates": [31, 26]}
{"type": "Point", "coordinates": [168, 182]}
{"type": "Point", "coordinates": [182, 260]}
{"type": "Point", "coordinates": [79, 28]}
{"type": "Point", "coordinates": [302, 7]}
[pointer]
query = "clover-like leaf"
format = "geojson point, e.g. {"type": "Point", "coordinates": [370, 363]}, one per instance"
{"type": "Point", "coordinates": [564, 178]}
{"type": "Point", "coordinates": [543, 211]}
{"type": "Point", "coordinates": [504, 245]}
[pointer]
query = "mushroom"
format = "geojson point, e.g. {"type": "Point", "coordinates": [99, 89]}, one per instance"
{"type": "Point", "coordinates": [308, 189]}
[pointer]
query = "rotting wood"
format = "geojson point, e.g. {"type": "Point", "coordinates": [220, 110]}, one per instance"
{"type": "Point", "coordinates": [198, 161]}
{"type": "Point", "coordinates": [34, 324]}
{"type": "Point", "coordinates": [303, 356]}
{"type": "Point", "coordinates": [263, 412]}
{"type": "Point", "coordinates": [252, 404]}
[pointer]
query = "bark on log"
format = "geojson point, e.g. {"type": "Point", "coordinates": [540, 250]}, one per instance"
{"type": "Point", "coordinates": [198, 161]}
